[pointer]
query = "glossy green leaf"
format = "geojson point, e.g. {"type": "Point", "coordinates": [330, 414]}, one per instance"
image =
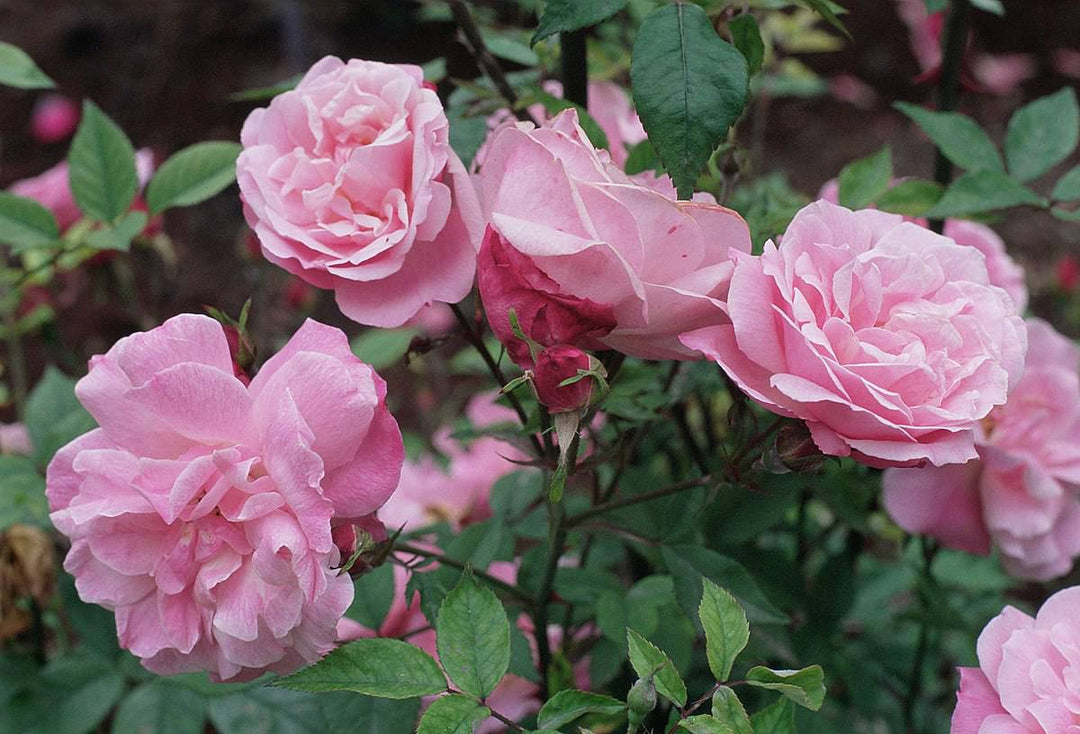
{"type": "Point", "coordinates": [25, 224]}
{"type": "Point", "coordinates": [18, 70]}
{"type": "Point", "coordinates": [642, 157]}
{"type": "Point", "coordinates": [350, 712]}
{"type": "Point", "coordinates": [159, 707]}
{"type": "Point", "coordinates": [453, 714]}
{"type": "Point", "coordinates": [727, 707]}
{"type": "Point", "coordinates": [959, 137]}
{"type": "Point", "coordinates": [827, 11]}
{"type": "Point", "coordinates": [866, 179]}
{"type": "Point", "coordinates": [911, 198]}
{"type": "Point", "coordinates": [193, 175]}
{"type": "Point", "coordinates": [805, 687]}
{"type": "Point", "coordinates": [983, 191]}
{"type": "Point", "coordinates": [54, 415]}
{"type": "Point", "coordinates": [1067, 187]}
{"type": "Point", "coordinates": [375, 667]}
{"type": "Point", "coordinates": [267, 711]}
{"type": "Point", "coordinates": [383, 348]}
{"type": "Point", "coordinates": [473, 637]}
{"type": "Point", "coordinates": [118, 236]}
{"type": "Point", "coordinates": [689, 88]}
{"type": "Point", "coordinates": [649, 660]}
{"type": "Point", "coordinates": [776, 719]}
{"type": "Point", "coordinates": [560, 16]}
{"type": "Point", "coordinates": [991, 6]}
{"type": "Point", "coordinates": [1042, 134]}
{"type": "Point", "coordinates": [704, 724]}
{"type": "Point", "coordinates": [22, 493]}
{"type": "Point", "coordinates": [374, 593]}
{"type": "Point", "coordinates": [746, 35]}
{"type": "Point", "coordinates": [101, 166]}
{"type": "Point", "coordinates": [689, 563]}
{"type": "Point", "coordinates": [565, 706]}
{"type": "Point", "coordinates": [726, 628]}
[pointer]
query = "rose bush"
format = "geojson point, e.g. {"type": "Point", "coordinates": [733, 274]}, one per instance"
{"type": "Point", "coordinates": [350, 183]}
{"type": "Point", "coordinates": [887, 339]}
{"type": "Point", "coordinates": [201, 510]}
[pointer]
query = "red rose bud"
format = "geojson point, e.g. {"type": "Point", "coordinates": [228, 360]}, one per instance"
{"type": "Point", "coordinates": [555, 365]}
{"type": "Point", "coordinates": [1067, 271]}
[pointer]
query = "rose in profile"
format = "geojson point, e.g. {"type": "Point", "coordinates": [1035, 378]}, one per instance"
{"type": "Point", "coordinates": [350, 183]}
{"type": "Point", "coordinates": [1023, 493]}
{"type": "Point", "coordinates": [1027, 680]}
{"type": "Point", "coordinates": [887, 339]}
{"type": "Point", "coordinates": [586, 257]}
{"type": "Point", "coordinates": [202, 510]}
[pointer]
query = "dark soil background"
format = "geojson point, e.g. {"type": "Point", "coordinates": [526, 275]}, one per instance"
{"type": "Point", "coordinates": [165, 70]}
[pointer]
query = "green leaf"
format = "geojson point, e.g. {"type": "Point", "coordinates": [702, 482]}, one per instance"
{"type": "Point", "coordinates": [825, 10]}
{"type": "Point", "coordinates": [911, 198]}
{"type": "Point", "coordinates": [565, 706]}
{"type": "Point", "coordinates": [259, 94]}
{"type": "Point", "coordinates": [159, 707]}
{"type": "Point", "coordinates": [642, 157]}
{"type": "Point", "coordinates": [473, 637]}
{"type": "Point", "coordinates": [560, 16]}
{"type": "Point", "coordinates": [554, 105]}
{"type": "Point", "coordinates": [193, 175]}
{"type": "Point", "coordinates": [726, 629]}
{"type": "Point", "coordinates": [374, 593]}
{"type": "Point", "coordinates": [18, 70]}
{"type": "Point", "coordinates": [22, 493]}
{"type": "Point", "coordinates": [467, 134]}
{"type": "Point", "coordinates": [453, 714]}
{"type": "Point", "coordinates": [983, 191]}
{"type": "Point", "coordinates": [1042, 134]}
{"type": "Point", "coordinates": [509, 49]}
{"type": "Point", "coordinates": [704, 724]}
{"type": "Point", "coordinates": [689, 88]}
{"type": "Point", "coordinates": [267, 711]}
{"type": "Point", "coordinates": [375, 667]}
{"type": "Point", "coordinates": [727, 707]}
{"type": "Point", "coordinates": [959, 137]}
{"type": "Point", "coordinates": [54, 415]}
{"type": "Point", "coordinates": [649, 660]}
{"type": "Point", "coordinates": [991, 6]}
{"type": "Point", "coordinates": [689, 563]}
{"type": "Point", "coordinates": [1068, 186]}
{"type": "Point", "coordinates": [866, 179]}
{"type": "Point", "coordinates": [776, 719]}
{"type": "Point", "coordinates": [805, 687]}
{"type": "Point", "coordinates": [101, 166]}
{"type": "Point", "coordinates": [76, 693]}
{"type": "Point", "coordinates": [746, 36]}
{"type": "Point", "coordinates": [351, 712]}
{"type": "Point", "coordinates": [24, 223]}
{"type": "Point", "coordinates": [118, 236]}
{"type": "Point", "coordinates": [382, 348]}
{"type": "Point", "coordinates": [1065, 215]}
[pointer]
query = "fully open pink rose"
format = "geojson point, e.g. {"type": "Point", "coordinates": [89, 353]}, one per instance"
{"type": "Point", "coordinates": [887, 339]}
{"type": "Point", "coordinates": [586, 257]}
{"type": "Point", "coordinates": [201, 510]}
{"type": "Point", "coordinates": [1028, 679]}
{"type": "Point", "coordinates": [1023, 493]}
{"type": "Point", "coordinates": [349, 182]}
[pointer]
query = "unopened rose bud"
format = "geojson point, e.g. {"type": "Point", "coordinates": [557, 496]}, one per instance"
{"type": "Point", "coordinates": [795, 448]}
{"type": "Point", "coordinates": [640, 701]}
{"type": "Point", "coordinates": [54, 119]}
{"type": "Point", "coordinates": [554, 367]}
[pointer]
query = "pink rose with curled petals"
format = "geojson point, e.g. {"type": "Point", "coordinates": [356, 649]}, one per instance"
{"type": "Point", "coordinates": [202, 510]}
{"type": "Point", "coordinates": [1028, 679]}
{"type": "Point", "coordinates": [1023, 493]}
{"type": "Point", "coordinates": [1004, 272]}
{"type": "Point", "coordinates": [586, 257]}
{"type": "Point", "coordinates": [887, 339]}
{"type": "Point", "coordinates": [349, 182]}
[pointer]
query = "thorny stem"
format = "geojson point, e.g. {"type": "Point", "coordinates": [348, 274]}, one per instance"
{"type": "Point", "coordinates": [477, 341]}
{"type": "Point", "coordinates": [487, 63]}
{"type": "Point", "coordinates": [453, 563]}
{"type": "Point", "coordinates": [930, 550]}
{"type": "Point", "coordinates": [692, 707]}
{"type": "Point", "coordinates": [755, 440]}
{"type": "Point", "coordinates": [948, 93]}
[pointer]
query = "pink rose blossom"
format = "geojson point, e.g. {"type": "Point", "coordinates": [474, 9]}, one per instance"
{"type": "Point", "coordinates": [15, 439]}
{"type": "Point", "coordinates": [588, 258]}
{"type": "Point", "coordinates": [1028, 679]}
{"type": "Point", "coordinates": [458, 492]}
{"type": "Point", "coordinates": [1003, 270]}
{"type": "Point", "coordinates": [553, 366]}
{"type": "Point", "coordinates": [55, 118]}
{"type": "Point", "coordinates": [201, 510]}
{"type": "Point", "coordinates": [349, 182]}
{"type": "Point", "coordinates": [1023, 493]}
{"type": "Point", "coordinates": [51, 189]}
{"type": "Point", "coordinates": [887, 339]}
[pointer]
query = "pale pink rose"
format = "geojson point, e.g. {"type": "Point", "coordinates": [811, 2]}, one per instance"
{"type": "Point", "coordinates": [1023, 493]}
{"type": "Point", "coordinates": [55, 118]}
{"type": "Point", "coordinates": [1003, 270]}
{"type": "Point", "coordinates": [201, 510]}
{"type": "Point", "coordinates": [1028, 679]}
{"type": "Point", "coordinates": [349, 182]}
{"type": "Point", "coordinates": [15, 439]}
{"type": "Point", "coordinates": [433, 320]}
{"type": "Point", "coordinates": [585, 257]}
{"type": "Point", "coordinates": [1003, 74]}
{"type": "Point", "coordinates": [458, 491]}
{"type": "Point", "coordinates": [51, 189]}
{"type": "Point", "coordinates": [887, 339]}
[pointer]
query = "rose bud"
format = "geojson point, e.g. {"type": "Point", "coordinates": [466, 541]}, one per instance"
{"type": "Point", "coordinates": [557, 364]}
